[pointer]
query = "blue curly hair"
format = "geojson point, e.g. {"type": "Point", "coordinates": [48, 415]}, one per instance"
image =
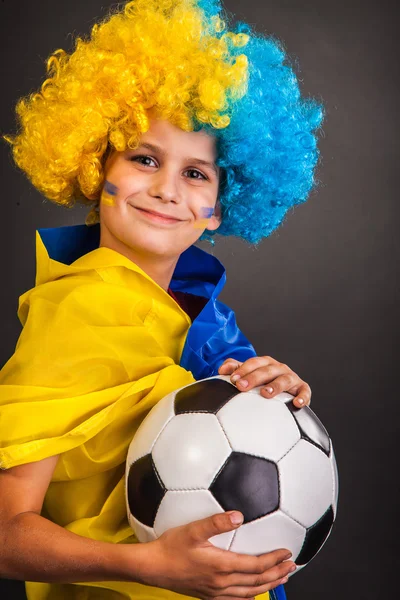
{"type": "Point", "coordinates": [268, 152]}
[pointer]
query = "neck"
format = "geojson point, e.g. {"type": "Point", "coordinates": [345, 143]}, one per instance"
{"type": "Point", "coordinates": [159, 268]}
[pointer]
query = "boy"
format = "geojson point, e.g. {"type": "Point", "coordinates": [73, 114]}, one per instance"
{"type": "Point", "coordinates": [125, 310]}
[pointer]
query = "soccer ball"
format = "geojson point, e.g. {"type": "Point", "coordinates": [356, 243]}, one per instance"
{"type": "Point", "coordinates": [207, 448]}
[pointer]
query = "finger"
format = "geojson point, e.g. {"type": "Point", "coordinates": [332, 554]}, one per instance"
{"type": "Point", "coordinates": [283, 383]}
{"type": "Point", "coordinates": [302, 396]}
{"type": "Point", "coordinates": [269, 576]}
{"type": "Point", "coordinates": [245, 592]}
{"type": "Point", "coordinates": [229, 366]}
{"type": "Point", "coordinates": [256, 375]}
{"type": "Point", "coordinates": [253, 363]}
{"type": "Point", "coordinates": [203, 529]}
{"type": "Point", "coordinates": [261, 376]}
{"type": "Point", "coordinates": [246, 563]}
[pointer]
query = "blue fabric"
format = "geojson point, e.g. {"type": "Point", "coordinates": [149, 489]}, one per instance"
{"type": "Point", "coordinates": [279, 593]}
{"type": "Point", "coordinates": [67, 244]}
{"type": "Point", "coordinates": [213, 337]}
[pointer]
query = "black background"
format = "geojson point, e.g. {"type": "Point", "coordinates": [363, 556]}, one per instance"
{"type": "Point", "coordinates": [321, 293]}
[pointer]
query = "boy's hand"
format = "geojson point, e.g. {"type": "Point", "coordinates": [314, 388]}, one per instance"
{"type": "Point", "coordinates": [260, 370]}
{"type": "Point", "coordinates": [184, 560]}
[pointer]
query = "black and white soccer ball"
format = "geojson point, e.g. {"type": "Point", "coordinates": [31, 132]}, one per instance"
{"type": "Point", "coordinates": [207, 448]}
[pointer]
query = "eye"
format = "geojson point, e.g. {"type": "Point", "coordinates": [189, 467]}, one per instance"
{"type": "Point", "coordinates": [141, 158]}
{"type": "Point", "coordinates": [198, 173]}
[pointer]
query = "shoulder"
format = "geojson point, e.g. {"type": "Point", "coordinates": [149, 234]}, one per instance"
{"type": "Point", "coordinates": [86, 297]}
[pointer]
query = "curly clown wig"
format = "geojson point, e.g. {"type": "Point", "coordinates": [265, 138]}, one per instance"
{"type": "Point", "coordinates": [181, 59]}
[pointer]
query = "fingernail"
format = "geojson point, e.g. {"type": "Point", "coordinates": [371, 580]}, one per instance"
{"type": "Point", "coordinates": [300, 400]}
{"type": "Point", "coordinates": [284, 580]}
{"type": "Point", "coordinates": [235, 378]}
{"type": "Point", "coordinates": [287, 556]}
{"type": "Point", "coordinates": [270, 390]}
{"type": "Point", "coordinates": [292, 569]}
{"type": "Point", "coordinates": [236, 518]}
{"type": "Point", "coordinates": [243, 383]}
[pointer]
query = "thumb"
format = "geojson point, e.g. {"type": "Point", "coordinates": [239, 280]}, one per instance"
{"type": "Point", "coordinates": [216, 524]}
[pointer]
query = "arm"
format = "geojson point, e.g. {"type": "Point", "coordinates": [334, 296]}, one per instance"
{"type": "Point", "coordinates": [182, 560]}
{"type": "Point", "coordinates": [35, 549]}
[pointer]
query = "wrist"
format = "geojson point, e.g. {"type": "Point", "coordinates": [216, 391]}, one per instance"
{"type": "Point", "coordinates": [133, 562]}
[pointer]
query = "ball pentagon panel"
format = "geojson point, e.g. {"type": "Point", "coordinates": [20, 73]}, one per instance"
{"type": "Point", "coordinates": [205, 396]}
{"type": "Point", "coordinates": [144, 490]}
{"type": "Point", "coordinates": [249, 484]}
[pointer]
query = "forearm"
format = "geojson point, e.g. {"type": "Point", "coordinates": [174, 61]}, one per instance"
{"type": "Point", "coordinates": [35, 549]}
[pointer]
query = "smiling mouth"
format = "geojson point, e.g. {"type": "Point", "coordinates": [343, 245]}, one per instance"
{"type": "Point", "coordinates": [156, 218]}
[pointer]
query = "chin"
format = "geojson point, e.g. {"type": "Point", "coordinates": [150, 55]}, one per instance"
{"type": "Point", "coordinates": [156, 246]}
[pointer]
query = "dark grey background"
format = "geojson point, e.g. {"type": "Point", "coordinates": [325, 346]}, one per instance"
{"type": "Point", "coordinates": [320, 294]}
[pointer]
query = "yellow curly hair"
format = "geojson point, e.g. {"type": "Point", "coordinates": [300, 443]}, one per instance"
{"type": "Point", "coordinates": [161, 56]}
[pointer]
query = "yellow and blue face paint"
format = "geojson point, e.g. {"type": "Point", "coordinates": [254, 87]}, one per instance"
{"type": "Point", "coordinates": [108, 194]}
{"type": "Point", "coordinates": [206, 213]}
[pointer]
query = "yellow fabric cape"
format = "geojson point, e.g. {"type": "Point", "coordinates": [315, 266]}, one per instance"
{"type": "Point", "coordinates": [100, 346]}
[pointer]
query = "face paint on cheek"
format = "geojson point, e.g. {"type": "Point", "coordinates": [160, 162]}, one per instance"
{"type": "Point", "coordinates": [205, 214]}
{"type": "Point", "coordinates": [108, 194]}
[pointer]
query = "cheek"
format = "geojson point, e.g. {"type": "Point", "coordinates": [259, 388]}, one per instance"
{"type": "Point", "coordinates": [109, 193]}
{"type": "Point", "coordinates": [120, 183]}
{"type": "Point", "coordinates": [205, 214]}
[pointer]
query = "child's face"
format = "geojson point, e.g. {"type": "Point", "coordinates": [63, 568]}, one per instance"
{"type": "Point", "coordinates": [167, 180]}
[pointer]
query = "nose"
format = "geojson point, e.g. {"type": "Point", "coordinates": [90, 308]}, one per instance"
{"type": "Point", "coordinates": [165, 185]}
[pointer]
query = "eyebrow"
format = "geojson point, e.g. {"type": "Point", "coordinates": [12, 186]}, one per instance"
{"type": "Point", "coordinates": [198, 161]}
